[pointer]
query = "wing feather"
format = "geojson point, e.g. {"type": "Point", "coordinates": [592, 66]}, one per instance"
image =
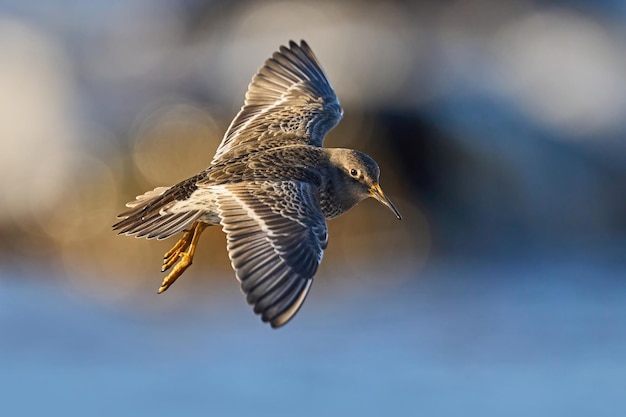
{"type": "Point", "coordinates": [289, 94]}
{"type": "Point", "coordinates": [276, 235]}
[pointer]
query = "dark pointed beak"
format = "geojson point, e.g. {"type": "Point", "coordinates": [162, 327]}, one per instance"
{"type": "Point", "coordinates": [377, 193]}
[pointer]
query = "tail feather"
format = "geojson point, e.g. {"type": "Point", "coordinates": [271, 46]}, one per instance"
{"type": "Point", "coordinates": [149, 215]}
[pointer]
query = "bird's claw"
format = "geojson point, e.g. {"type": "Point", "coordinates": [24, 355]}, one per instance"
{"type": "Point", "coordinates": [184, 261]}
{"type": "Point", "coordinates": [180, 256]}
{"type": "Point", "coordinates": [172, 255]}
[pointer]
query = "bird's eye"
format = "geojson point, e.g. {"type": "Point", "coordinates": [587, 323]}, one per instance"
{"type": "Point", "coordinates": [354, 172]}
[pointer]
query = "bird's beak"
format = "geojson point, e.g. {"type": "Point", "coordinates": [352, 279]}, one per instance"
{"type": "Point", "coordinates": [377, 193]}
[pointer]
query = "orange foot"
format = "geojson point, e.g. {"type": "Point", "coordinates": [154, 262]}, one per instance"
{"type": "Point", "coordinates": [181, 254]}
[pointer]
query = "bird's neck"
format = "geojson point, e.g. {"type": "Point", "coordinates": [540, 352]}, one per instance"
{"type": "Point", "coordinates": [335, 197]}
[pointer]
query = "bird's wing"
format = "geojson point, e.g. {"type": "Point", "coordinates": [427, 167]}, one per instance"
{"type": "Point", "coordinates": [276, 235]}
{"type": "Point", "coordinates": [289, 95]}
{"type": "Point", "coordinates": [162, 212]}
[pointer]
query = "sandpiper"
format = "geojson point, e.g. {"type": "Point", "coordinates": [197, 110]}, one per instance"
{"type": "Point", "coordinates": [271, 186]}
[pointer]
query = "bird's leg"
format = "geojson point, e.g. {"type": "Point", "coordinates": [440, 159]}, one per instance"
{"type": "Point", "coordinates": [171, 256]}
{"type": "Point", "coordinates": [184, 250]}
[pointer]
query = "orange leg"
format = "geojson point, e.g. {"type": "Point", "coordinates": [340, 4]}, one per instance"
{"type": "Point", "coordinates": [181, 254]}
{"type": "Point", "coordinates": [172, 255]}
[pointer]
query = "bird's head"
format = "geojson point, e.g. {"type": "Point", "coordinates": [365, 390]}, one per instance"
{"type": "Point", "coordinates": [357, 178]}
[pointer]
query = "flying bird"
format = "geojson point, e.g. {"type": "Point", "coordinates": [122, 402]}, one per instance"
{"type": "Point", "coordinates": [271, 186]}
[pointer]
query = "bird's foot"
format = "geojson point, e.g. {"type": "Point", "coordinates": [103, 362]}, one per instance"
{"type": "Point", "coordinates": [172, 255]}
{"type": "Point", "coordinates": [184, 260]}
{"type": "Point", "coordinates": [181, 255]}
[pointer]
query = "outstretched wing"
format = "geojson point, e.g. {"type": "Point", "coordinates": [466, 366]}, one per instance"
{"type": "Point", "coordinates": [276, 235]}
{"type": "Point", "coordinates": [289, 95]}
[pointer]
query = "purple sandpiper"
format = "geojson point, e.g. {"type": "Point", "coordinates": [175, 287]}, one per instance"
{"type": "Point", "coordinates": [271, 186]}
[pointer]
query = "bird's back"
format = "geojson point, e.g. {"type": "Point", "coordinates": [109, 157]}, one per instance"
{"type": "Point", "coordinates": [306, 164]}
{"type": "Point", "coordinates": [287, 163]}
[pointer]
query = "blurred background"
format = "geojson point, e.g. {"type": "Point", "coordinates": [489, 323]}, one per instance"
{"type": "Point", "coordinates": [499, 127]}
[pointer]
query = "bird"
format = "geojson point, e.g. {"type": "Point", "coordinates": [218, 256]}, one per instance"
{"type": "Point", "coordinates": [271, 186]}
